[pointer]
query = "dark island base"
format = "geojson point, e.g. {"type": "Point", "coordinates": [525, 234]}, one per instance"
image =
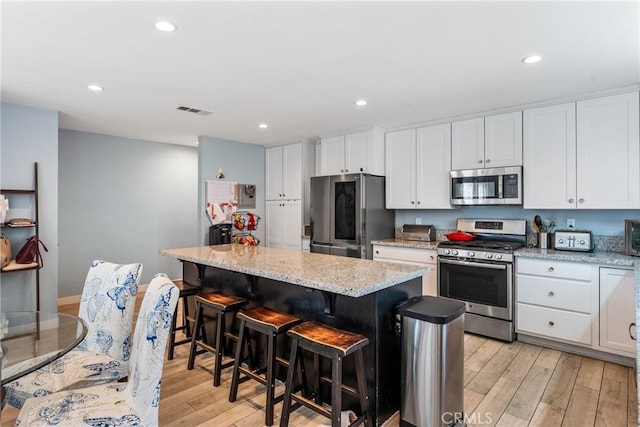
{"type": "Point", "coordinates": [371, 315]}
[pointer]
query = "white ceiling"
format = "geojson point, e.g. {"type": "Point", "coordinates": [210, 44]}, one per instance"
{"type": "Point", "coordinates": [300, 66]}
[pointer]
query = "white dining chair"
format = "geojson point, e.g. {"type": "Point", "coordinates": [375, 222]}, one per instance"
{"type": "Point", "coordinates": [132, 403]}
{"type": "Point", "coordinates": [106, 306]}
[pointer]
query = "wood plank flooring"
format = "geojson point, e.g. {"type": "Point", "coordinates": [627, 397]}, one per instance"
{"type": "Point", "coordinates": [506, 384]}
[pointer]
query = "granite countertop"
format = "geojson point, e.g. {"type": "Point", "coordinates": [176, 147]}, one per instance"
{"type": "Point", "coordinates": [352, 277]}
{"type": "Point", "coordinates": [405, 243]}
{"type": "Point", "coordinates": [605, 258]}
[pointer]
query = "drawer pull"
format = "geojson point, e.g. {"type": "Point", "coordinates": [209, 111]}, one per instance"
{"type": "Point", "coordinates": [431, 257]}
{"type": "Point", "coordinates": [551, 293]}
{"type": "Point", "coordinates": [551, 323]}
{"type": "Point", "coordinates": [632, 325]}
{"type": "Point", "coordinates": [551, 269]}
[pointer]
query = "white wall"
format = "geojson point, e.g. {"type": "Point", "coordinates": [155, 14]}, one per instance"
{"type": "Point", "coordinates": [122, 200]}
{"type": "Point", "coordinates": [31, 135]}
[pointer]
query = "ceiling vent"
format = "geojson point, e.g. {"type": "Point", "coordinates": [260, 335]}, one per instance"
{"type": "Point", "coordinates": [198, 111]}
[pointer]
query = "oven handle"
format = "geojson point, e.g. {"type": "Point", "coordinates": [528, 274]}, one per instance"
{"type": "Point", "coordinates": [474, 264]}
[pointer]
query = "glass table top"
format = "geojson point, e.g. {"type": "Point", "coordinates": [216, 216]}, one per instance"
{"type": "Point", "coordinates": [31, 339]}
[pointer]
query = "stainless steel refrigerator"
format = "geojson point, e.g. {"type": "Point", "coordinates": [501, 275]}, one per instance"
{"type": "Point", "coordinates": [347, 212]}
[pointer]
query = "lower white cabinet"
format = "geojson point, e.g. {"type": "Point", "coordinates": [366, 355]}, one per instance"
{"type": "Point", "coordinates": [422, 257]}
{"type": "Point", "coordinates": [283, 227]}
{"type": "Point", "coordinates": [617, 311]}
{"type": "Point", "coordinates": [556, 300]}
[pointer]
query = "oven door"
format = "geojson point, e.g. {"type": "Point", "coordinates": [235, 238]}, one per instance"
{"type": "Point", "coordinates": [485, 287]}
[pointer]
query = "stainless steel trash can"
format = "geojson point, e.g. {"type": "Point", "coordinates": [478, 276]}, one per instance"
{"type": "Point", "coordinates": [432, 362]}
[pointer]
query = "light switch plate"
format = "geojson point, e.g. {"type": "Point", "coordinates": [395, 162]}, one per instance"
{"type": "Point", "coordinates": [571, 224]}
{"type": "Point", "coordinates": [418, 220]}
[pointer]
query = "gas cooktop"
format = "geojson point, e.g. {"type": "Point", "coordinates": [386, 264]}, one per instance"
{"type": "Point", "coordinates": [497, 245]}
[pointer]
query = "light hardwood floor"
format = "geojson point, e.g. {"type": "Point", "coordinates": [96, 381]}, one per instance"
{"type": "Point", "coordinates": [506, 384]}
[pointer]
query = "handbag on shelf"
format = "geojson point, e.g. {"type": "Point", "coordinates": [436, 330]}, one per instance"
{"type": "Point", "coordinates": [5, 251]}
{"type": "Point", "coordinates": [30, 252]}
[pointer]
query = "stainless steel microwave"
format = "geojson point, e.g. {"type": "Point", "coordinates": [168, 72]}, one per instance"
{"type": "Point", "coordinates": [490, 186]}
{"type": "Point", "coordinates": [632, 236]}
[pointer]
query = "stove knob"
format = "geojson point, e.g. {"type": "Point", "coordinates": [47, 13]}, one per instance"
{"type": "Point", "coordinates": [447, 252]}
{"type": "Point", "coordinates": [498, 256]}
{"type": "Point", "coordinates": [471, 254]}
{"type": "Point", "coordinates": [489, 255]}
{"type": "Point", "coordinates": [454, 252]}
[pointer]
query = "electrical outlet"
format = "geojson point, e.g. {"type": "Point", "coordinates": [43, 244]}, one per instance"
{"type": "Point", "coordinates": [418, 220]}
{"type": "Point", "coordinates": [571, 224]}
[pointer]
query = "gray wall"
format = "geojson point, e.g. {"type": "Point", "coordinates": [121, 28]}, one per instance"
{"type": "Point", "coordinates": [122, 200]}
{"type": "Point", "coordinates": [600, 222]}
{"type": "Point", "coordinates": [241, 162]}
{"type": "Point", "coordinates": [30, 135]}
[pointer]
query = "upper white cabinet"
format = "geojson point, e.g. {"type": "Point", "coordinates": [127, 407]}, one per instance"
{"type": "Point", "coordinates": [549, 170]}
{"type": "Point", "coordinates": [284, 172]}
{"type": "Point", "coordinates": [417, 168]}
{"type": "Point", "coordinates": [353, 153]}
{"type": "Point", "coordinates": [583, 155]}
{"type": "Point", "coordinates": [608, 152]}
{"type": "Point", "coordinates": [493, 141]}
{"type": "Point", "coordinates": [467, 144]}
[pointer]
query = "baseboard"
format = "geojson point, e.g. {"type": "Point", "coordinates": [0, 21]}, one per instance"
{"type": "Point", "coordinates": [75, 299]}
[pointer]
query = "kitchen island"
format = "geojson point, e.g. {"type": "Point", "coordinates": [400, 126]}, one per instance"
{"type": "Point", "coordinates": [347, 293]}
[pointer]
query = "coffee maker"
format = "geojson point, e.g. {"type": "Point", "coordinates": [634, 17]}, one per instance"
{"type": "Point", "coordinates": [220, 234]}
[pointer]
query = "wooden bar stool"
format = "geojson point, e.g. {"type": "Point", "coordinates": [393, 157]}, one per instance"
{"type": "Point", "coordinates": [272, 324]}
{"type": "Point", "coordinates": [220, 304]}
{"type": "Point", "coordinates": [334, 344]}
{"type": "Point", "coordinates": [186, 290]}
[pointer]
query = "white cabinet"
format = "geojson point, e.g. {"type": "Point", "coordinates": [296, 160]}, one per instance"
{"type": "Point", "coordinates": [583, 155]}
{"type": "Point", "coordinates": [556, 300]}
{"type": "Point", "coordinates": [353, 153]}
{"type": "Point", "coordinates": [417, 168]}
{"type": "Point", "coordinates": [288, 169]}
{"type": "Point", "coordinates": [284, 224]}
{"type": "Point", "coordinates": [608, 153]}
{"type": "Point", "coordinates": [617, 311]}
{"type": "Point", "coordinates": [284, 172]}
{"type": "Point", "coordinates": [422, 257]}
{"type": "Point", "coordinates": [493, 141]}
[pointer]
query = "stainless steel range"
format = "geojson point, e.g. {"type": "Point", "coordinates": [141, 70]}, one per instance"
{"type": "Point", "coordinates": [480, 274]}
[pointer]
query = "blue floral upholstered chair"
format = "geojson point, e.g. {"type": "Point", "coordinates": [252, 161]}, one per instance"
{"type": "Point", "coordinates": [132, 403]}
{"type": "Point", "coordinates": [106, 306]}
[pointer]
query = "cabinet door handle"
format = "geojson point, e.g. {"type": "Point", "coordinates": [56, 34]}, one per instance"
{"type": "Point", "coordinates": [413, 203]}
{"type": "Point", "coordinates": [551, 293]}
{"type": "Point", "coordinates": [551, 323]}
{"type": "Point", "coordinates": [488, 160]}
{"type": "Point", "coordinates": [361, 169]}
{"type": "Point", "coordinates": [632, 325]}
{"type": "Point", "coordinates": [479, 161]}
{"type": "Point", "coordinates": [570, 200]}
{"type": "Point", "coordinates": [418, 201]}
{"type": "Point", "coordinates": [283, 194]}
{"type": "Point", "coordinates": [580, 200]}
{"type": "Point", "coordinates": [341, 170]}
{"type": "Point", "coordinates": [551, 269]}
{"type": "Point", "coordinates": [346, 170]}
{"type": "Point", "coordinates": [431, 257]}
{"type": "Point", "coordinates": [377, 252]}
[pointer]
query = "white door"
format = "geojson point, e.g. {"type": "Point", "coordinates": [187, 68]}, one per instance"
{"type": "Point", "coordinates": [274, 224]}
{"type": "Point", "coordinates": [608, 153]}
{"type": "Point", "coordinates": [617, 310]}
{"type": "Point", "coordinates": [291, 212]}
{"type": "Point", "coordinates": [467, 144]}
{"type": "Point", "coordinates": [433, 157]}
{"type": "Point", "coordinates": [273, 167]}
{"type": "Point", "coordinates": [292, 171]}
{"type": "Point", "coordinates": [332, 156]}
{"type": "Point", "coordinates": [357, 152]}
{"type": "Point", "coordinates": [400, 169]}
{"type": "Point", "coordinates": [549, 170]}
{"type": "Point", "coordinates": [503, 140]}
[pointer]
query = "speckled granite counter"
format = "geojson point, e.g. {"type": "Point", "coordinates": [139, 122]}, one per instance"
{"type": "Point", "coordinates": [604, 258]}
{"type": "Point", "coordinates": [341, 275]}
{"type": "Point", "coordinates": [406, 243]}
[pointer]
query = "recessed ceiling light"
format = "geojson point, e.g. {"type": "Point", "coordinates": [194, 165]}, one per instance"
{"type": "Point", "coordinates": [165, 26]}
{"type": "Point", "coordinates": [263, 125]}
{"type": "Point", "coordinates": [532, 59]}
{"type": "Point", "coordinates": [96, 88]}
{"type": "Point", "coordinates": [361, 103]}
